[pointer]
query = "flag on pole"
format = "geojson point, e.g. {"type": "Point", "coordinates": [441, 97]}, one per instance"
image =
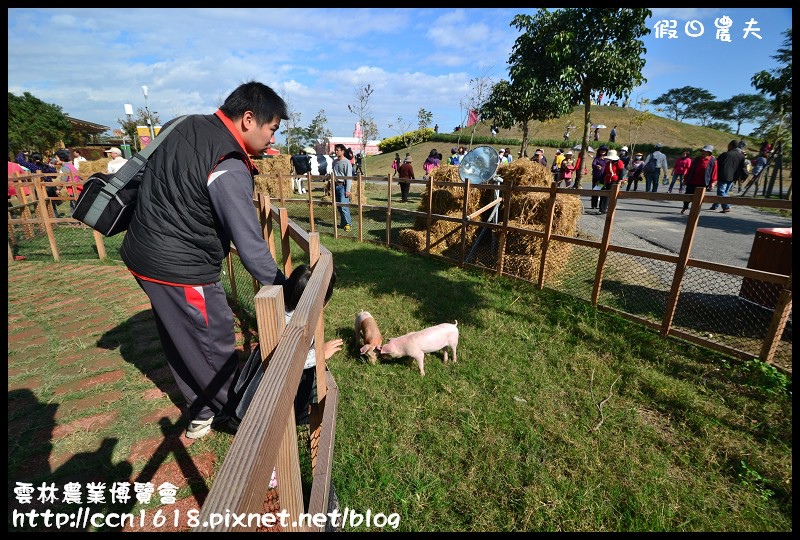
{"type": "Point", "coordinates": [358, 132]}
{"type": "Point", "coordinates": [473, 117]}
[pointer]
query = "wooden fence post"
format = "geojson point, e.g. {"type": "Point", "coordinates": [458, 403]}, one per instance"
{"type": "Point", "coordinates": [310, 204]}
{"type": "Point", "coordinates": [428, 218]}
{"type": "Point", "coordinates": [42, 209]}
{"type": "Point", "coordinates": [389, 211]}
{"type": "Point", "coordinates": [548, 232]}
{"type": "Point", "coordinates": [683, 258]}
{"type": "Point", "coordinates": [778, 323]}
{"type": "Point", "coordinates": [464, 213]}
{"type": "Point", "coordinates": [501, 252]}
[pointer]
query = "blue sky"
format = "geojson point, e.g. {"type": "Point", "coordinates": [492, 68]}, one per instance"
{"type": "Point", "coordinates": [92, 61]}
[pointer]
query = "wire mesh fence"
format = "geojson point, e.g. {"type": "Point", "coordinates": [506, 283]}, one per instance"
{"type": "Point", "coordinates": [742, 312]}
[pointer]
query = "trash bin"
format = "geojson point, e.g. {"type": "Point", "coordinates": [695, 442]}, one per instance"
{"type": "Point", "coordinates": [771, 252]}
{"type": "Point", "coordinates": [126, 151]}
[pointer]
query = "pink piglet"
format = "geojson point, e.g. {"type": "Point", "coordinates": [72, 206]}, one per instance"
{"type": "Point", "coordinates": [368, 335]}
{"type": "Point", "coordinates": [417, 344]}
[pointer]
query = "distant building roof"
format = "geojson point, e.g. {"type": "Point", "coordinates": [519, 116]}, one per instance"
{"type": "Point", "coordinates": [86, 126]}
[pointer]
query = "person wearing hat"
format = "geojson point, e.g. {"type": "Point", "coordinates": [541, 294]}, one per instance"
{"type": "Point", "coordinates": [501, 156]}
{"type": "Point", "coordinates": [635, 169]}
{"type": "Point", "coordinates": [625, 157]}
{"type": "Point", "coordinates": [538, 157]}
{"type": "Point", "coordinates": [117, 161]}
{"type": "Point", "coordinates": [567, 170]}
{"type": "Point", "coordinates": [702, 173]}
{"type": "Point", "coordinates": [405, 173]}
{"type": "Point", "coordinates": [613, 174]}
{"type": "Point", "coordinates": [598, 173]}
{"type": "Point", "coordinates": [654, 164]}
{"type": "Point", "coordinates": [557, 160]}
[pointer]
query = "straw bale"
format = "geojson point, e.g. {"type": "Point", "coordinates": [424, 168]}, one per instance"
{"type": "Point", "coordinates": [448, 201]}
{"type": "Point", "coordinates": [268, 184]}
{"type": "Point", "coordinates": [531, 208]}
{"type": "Point", "coordinates": [89, 167]}
{"type": "Point", "coordinates": [523, 252]}
{"type": "Point", "coordinates": [412, 240]}
{"type": "Point", "coordinates": [524, 172]}
{"type": "Point", "coordinates": [272, 165]}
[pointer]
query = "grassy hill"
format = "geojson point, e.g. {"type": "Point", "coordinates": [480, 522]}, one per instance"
{"type": "Point", "coordinates": [674, 136]}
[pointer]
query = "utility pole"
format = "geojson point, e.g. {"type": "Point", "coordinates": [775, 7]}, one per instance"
{"type": "Point", "coordinates": [147, 109]}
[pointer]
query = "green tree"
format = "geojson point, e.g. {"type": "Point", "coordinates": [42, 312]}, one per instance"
{"type": "Point", "coordinates": [720, 126]}
{"type": "Point", "coordinates": [318, 131]}
{"type": "Point", "coordinates": [364, 114]}
{"type": "Point", "coordinates": [706, 111]}
{"type": "Point", "coordinates": [511, 104]}
{"type": "Point", "coordinates": [777, 83]}
{"type": "Point", "coordinates": [139, 119]}
{"type": "Point", "coordinates": [680, 102]}
{"type": "Point", "coordinates": [580, 51]}
{"type": "Point", "coordinates": [403, 128]}
{"type": "Point", "coordinates": [743, 108]}
{"type": "Point", "coordinates": [34, 125]}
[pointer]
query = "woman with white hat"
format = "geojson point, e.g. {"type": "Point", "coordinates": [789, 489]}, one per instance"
{"type": "Point", "coordinates": [614, 171]}
{"type": "Point", "coordinates": [635, 170]}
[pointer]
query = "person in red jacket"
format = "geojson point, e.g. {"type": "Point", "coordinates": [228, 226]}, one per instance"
{"type": "Point", "coordinates": [702, 173]}
{"type": "Point", "coordinates": [679, 171]}
{"type": "Point", "coordinates": [614, 171]}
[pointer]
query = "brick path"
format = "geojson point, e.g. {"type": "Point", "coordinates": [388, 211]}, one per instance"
{"type": "Point", "coordinates": [90, 394]}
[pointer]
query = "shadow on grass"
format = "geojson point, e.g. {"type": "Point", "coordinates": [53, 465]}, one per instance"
{"type": "Point", "coordinates": [30, 432]}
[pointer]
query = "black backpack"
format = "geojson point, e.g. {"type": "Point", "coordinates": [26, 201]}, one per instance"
{"type": "Point", "coordinates": [650, 166]}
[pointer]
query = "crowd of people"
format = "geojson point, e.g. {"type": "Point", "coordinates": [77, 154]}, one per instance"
{"type": "Point", "coordinates": [606, 167]}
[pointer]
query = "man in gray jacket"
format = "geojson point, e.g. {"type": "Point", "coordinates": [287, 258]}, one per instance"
{"type": "Point", "coordinates": [654, 164]}
{"type": "Point", "coordinates": [195, 200]}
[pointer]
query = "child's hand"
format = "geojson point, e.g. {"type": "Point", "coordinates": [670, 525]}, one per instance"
{"type": "Point", "coordinates": [332, 347]}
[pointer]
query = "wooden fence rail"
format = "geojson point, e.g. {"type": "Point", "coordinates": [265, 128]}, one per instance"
{"type": "Point", "coordinates": [682, 263]}
{"type": "Point", "coordinates": [267, 436]}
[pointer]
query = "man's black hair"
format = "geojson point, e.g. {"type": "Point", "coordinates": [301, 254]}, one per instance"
{"type": "Point", "coordinates": [257, 97]}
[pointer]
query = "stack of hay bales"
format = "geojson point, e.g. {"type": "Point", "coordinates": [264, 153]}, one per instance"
{"type": "Point", "coordinates": [268, 184]}
{"type": "Point", "coordinates": [272, 165]}
{"type": "Point", "coordinates": [267, 178]}
{"type": "Point", "coordinates": [447, 201]}
{"type": "Point", "coordinates": [91, 166]}
{"type": "Point", "coordinates": [527, 211]}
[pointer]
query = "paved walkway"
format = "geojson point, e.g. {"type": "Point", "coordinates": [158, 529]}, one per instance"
{"type": "Point", "coordinates": [91, 398]}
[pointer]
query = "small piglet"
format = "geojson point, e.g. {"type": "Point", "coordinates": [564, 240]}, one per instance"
{"type": "Point", "coordinates": [417, 344]}
{"type": "Point", "coordinates": [368, 335]}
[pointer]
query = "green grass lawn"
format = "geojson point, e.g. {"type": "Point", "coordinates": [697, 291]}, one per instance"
{"type": "Point", "coordinates": [557, 417]}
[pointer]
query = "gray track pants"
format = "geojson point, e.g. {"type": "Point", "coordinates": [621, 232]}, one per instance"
{"type": "Point", "coordinates": [195, 324]}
